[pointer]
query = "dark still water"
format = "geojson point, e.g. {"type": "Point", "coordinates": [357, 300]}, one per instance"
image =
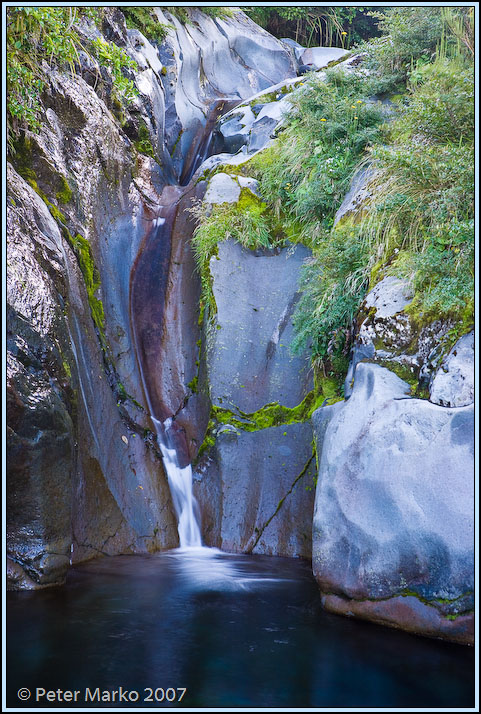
{"type": "Point", "coordinates": [233, 631]}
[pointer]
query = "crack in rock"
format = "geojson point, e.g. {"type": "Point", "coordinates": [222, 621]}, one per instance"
{"type": "Point", "coordinates": [280, 504]}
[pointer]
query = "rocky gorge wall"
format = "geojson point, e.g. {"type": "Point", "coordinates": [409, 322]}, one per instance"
{"type": "Point", "coordinates": [85, 473]}
{"type": "Point", "coordinates": [376, 488]}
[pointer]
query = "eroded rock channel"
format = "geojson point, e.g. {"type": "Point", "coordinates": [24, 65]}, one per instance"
{"type": "Point", "coordinates": [123, 377]}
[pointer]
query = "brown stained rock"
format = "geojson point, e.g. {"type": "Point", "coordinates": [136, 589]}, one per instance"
{"type": "Point", "coordinates": [405, 613]}
{"type": "Point", "coordinates": [164, 308]}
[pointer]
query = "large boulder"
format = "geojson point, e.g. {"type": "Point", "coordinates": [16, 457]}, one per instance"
{"type": "Point", "coordinates": [256, 490]}
{"type": "Point", "coordinates": [453, 383]}
{"type": "Point", "coordinates": [253, 481]}
{"type": "Point", "coordinates": [321, 57]}
{"type": "Point", "coordinates": [249, 360]}
{"type": "Point", "coordinates": [250, 128]}
{"type": "Point", "coordinates": [389, 335]}
{"type": "Point", "coordinates": [393, 520]}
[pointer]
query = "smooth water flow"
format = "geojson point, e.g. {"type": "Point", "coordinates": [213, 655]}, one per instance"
{"type": "Point", "coordinates": [207, 629]}
{"type": "Point", "coordinates": [180, 482]}
{"type": "Point", "coordinates": [153, 326]}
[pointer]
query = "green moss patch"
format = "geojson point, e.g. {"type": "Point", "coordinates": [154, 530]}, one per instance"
{"type": "Point", "coordinates": [144, 143]}
{"type": "Point", "coordinates": [64, 195]}
{"type": "Point", "coordinates": [270, 415]}
{"type": "Point", "coordinates": [91, 277]}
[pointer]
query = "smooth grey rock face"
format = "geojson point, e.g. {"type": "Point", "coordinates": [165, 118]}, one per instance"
{"type": "Point", "coordinates": [235, 128]}
{"type": "Point", "coordinates": [262, 131]}
{"type": "Point", "coordinates": [389, 297]}
{"type": "Point", "coordinates": [453, 382]}
{"type": "Point", "coordinates": [291, 43]}
{"type": "Point", "coordinates": [251, 183]}
{"type": "Point", "coordinates": [249, 360]}
{"type": "Point", "coordinates": [236, 60]}
{"type": "Point", "coordinates": [256, 491]}
{"type": "Point", "coordinates": [394, 501]}
{"type": "Point", "coordinates": [321, 57]}
{"type": "Point", "coordinates": [242, 128]}
{"type": "Point", "coordinates": [222, 188]}
{"type": "Point", "coordinates": [358, 193]}
{"type": "Point", "coordinates": [275, 110]}
{"type": "Point", "coordinates": [40, 399]}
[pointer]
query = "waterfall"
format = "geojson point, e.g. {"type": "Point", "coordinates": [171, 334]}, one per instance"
{"type": "Point", "coordinates": [149, 294]}
{"type": "Point", "coordinates": [180, 482]}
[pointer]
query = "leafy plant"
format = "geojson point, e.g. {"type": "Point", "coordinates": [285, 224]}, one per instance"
{"type": "Point", "coordinates": [116, 59]}
{"type": "Point", "coordinates": [49, 34]}
{"type": "Point", "coordinates": [145, 20]}
{"type": "Point", "coordinates": [35, 34]}
{"type": "Point", "coordinates": [245, 222]}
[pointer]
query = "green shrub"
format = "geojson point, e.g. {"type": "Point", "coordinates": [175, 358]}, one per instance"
{"type": "Point", "coordinates": [409, 33]}
{"type": "Point", "coordinates": [116, 59]}
{"type": "Point", "coordinates": [49, 34]}
{"type": "Point", "coordinates": [308, 172]}
{"type": "Point", "coordinates": [441, 105]}
{"type": "Point", "coordinates": [35, 34]}
{"type": "Point", "coordinates": [145, 20]}
{"type": "Point", "coordinates": [419, 222]}
{"type": "Point", "coordinates": [334, 284]}
{"type": "Point", "coordinates": [245, 222]}
{"type": "Point", "coordinates": [421, 218]}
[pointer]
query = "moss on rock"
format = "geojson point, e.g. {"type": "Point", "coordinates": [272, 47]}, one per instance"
{"type": "Point", "coordinates": [144, 143]}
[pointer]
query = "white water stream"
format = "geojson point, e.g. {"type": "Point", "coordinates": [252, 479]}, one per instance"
{"type": "Point", "coordinates": [180, 482]}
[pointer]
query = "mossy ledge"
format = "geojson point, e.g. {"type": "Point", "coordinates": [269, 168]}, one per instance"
{"type": "Point", "coordinates": [270, 415]}
{"type": "Point", "coordinates": [437, 603]}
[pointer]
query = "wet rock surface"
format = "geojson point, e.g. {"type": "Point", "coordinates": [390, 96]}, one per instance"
{"type": "Point", "coordinates": [75, 456]}
{"type": "Point", "coordinates": [86, 200]}
{"type": "Point", "coordinates": [453, 383]}
{"type": "Point", "coordinates": [40, 400]}
{"type": "Point", "coordinates": [249, 361]}
{"type": "Point", "coordinates": [255, 490]}
{"type": "Point", "coordinates": [394, 505]}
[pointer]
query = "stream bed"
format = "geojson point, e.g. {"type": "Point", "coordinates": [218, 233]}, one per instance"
{"type": "Point", "coordinates": [230, 630]}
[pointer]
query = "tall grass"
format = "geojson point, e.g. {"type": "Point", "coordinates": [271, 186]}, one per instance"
{"type": "Point", "coordinates": [418, 222]}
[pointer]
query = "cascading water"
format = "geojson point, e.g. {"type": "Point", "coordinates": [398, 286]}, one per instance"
{"type": "Point", "coordinates": [180, 482]}
{"type": "Point", "coordinates": [150, 289]}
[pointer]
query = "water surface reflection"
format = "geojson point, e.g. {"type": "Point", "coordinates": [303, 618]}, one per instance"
{"type": "Point", "coordinates": [236, 631]}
